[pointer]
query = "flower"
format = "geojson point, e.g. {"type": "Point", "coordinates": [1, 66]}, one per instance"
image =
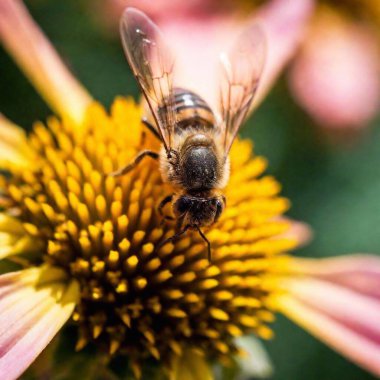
{"type": "Point", "coordinates": [88, 245]}
{"type": "Point", "coordinates": [341, 46]}
{"type": "Point", "coordinates": [197, 33]}
{"type": "Point", "coordinates": [104, 233]}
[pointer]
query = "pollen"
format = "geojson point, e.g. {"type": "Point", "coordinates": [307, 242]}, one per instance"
{"type": "Point", "coordinates": [139, 298]}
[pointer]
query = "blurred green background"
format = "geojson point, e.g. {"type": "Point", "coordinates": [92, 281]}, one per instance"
{"type": "Point", "coordinates": [333, 186]}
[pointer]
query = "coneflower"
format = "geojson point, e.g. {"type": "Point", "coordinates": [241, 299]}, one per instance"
{"type": "Point", "coordinates": [88, 245]}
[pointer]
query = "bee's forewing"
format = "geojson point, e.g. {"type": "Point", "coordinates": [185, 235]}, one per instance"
{"type": "Point", "coordinates": [241, 69]}
{"type": "Point", "coordinates": [152, 65]}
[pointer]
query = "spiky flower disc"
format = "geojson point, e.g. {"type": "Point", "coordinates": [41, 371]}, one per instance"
{"type": "Point", "coordinates": [138, 299]}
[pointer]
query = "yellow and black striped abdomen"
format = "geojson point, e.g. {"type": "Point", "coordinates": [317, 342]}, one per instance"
{"type": "Point", "coordinates": [192, 111]}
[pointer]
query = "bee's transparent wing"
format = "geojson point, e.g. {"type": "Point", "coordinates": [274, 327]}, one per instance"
{"type": "Point", "coordinates": [152, 65]}
{"type": "Point", "coordinates": [241, 70]}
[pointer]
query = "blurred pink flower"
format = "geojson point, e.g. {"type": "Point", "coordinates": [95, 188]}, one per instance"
{"type": "Point", "coordinates": [198, 31]}
{"type": "Point", "coordinates": [336, 75]}
{"type": "Point", "coordinates": [162, 10]}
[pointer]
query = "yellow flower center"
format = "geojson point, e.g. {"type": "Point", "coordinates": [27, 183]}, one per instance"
{"type": "Point", "coordinates": [138, 298]}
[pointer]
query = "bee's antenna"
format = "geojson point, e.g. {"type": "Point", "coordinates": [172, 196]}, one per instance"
{"type": "Point", "coordinates": [203, 236]}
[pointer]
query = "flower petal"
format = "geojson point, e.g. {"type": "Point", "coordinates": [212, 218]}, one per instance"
{"type": "Point", "coordinates": [10, 225]}
{"type": "Point", "coordinates": [14, 239]}
{"type": "Point", "coordinates": [190, 366]}
{"type": "Point", "coordinates": [341, 317]}
{"type": "Point", "coordinates": [37, 58]}
{"type": "Point", "coordinates": [13, 244]}
{"type": "Point", "coordinates": [201, 39]}
{"type": "Point", "coordinates": [256, 363]}
{"type": "Point", "coordinates": [34, 304]}
{"type": "Point", "coordinates": [14, 151]}
{"type": "Point", "coordinates": [298, 231]}
{"type": "Point", "coordinates": [284, 22]}
{"type": "Point", "coordinates": [324, 75]}
{"type": "Point", "coordinates": [358, 272]}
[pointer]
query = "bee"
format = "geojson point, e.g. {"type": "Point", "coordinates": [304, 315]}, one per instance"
{"type": "Point", "coordinates": [195, 139]}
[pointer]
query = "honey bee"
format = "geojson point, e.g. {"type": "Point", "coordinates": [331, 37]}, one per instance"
{"type": "Point", "coordinates": [195, 139]}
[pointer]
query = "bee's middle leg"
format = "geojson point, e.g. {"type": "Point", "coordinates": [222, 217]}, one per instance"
{"type": "Point", "coordinates": [135, 162]}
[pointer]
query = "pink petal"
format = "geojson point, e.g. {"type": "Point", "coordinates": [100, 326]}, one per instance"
{"type": "Point", "coordinates": [40, 62]}
{"type": "Point", "coordinates": [338, 301]}
{"type": "Point", "coordinates": [336, 76]}
{"type": "Point", "coordinates": [360, 349]}
{"type": "Point", "coordinates": [34, 304]}
{"type": "Point", "coordinates": [161, 9]}
{"type": "Point", "coordinates": [298, 231]}
{"type": "Point", "coordinates": [285, 22]}
{"type": "Point", "coordinates": [357, 272]}
{"type": "Point", "coordinates": [359, 312]}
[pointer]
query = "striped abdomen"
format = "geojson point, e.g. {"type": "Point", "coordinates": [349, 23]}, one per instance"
{"type": "Point", "coordinates": [192, 111]}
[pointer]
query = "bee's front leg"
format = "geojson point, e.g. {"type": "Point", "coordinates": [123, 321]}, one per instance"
{"type": "Point", "coordinates": [173, 238]}
{"type": "Point", "coordinates": [203, 236]}
{"type": "Point", "coordinates": [135, 162]}
{"type": "Point", "coordinates": [162, 204]}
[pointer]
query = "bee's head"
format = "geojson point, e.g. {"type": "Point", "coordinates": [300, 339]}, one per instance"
{"type": "Point", "coordinates": [199, 210]}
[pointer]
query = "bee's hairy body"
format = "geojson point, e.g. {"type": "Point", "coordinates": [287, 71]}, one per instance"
{"type": "Point", "coordinates": [196, 164]}
{"type": "Point", "coordinates": [196, 167]}
{"type": "Point", "coordinates": [195, 146]}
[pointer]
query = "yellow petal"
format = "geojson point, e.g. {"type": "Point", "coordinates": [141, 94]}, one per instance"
{"type": "Point", "coordinates": [35, 55]}
{"type": "Point", "coordinates": [14, 239]}
{"type": "Point", "coordinates": [10, 225]}
{"type": "Point", "coordinates": [14, 151]}
{"type": "Point", "coordinates": [14, 244]}
{"type": "Point", "coordinates": [191, 366]}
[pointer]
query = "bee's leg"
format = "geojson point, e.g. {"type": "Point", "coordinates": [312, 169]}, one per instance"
{"type": "Point", "coordinates": [203, 236]}
{"type": "Point", "coordinates": [145, 121]}
{"type": "Point", "coordinates": [162, 204]}
{"type": "Point", "coordinates": [165, 218]}
{"type": "Point", "coordinates": [135, 162]}
{"type": "Point", "coordinates": [180, 221]}
{"type": "Point", "coordinates": [174, 237]}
